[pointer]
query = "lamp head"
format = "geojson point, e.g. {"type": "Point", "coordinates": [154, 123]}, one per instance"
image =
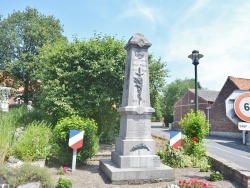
{"type": "Point", "coordinates": [195, 56]}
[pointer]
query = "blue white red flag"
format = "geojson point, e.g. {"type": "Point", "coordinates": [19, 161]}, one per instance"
{"type": "Point", "coordinates": [76, 139]}
{"type": "Point", "coordinates": [175, 139]}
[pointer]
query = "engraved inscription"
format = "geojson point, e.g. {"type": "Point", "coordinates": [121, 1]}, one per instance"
{"type": "Point", "coordinates": [140, 60]}
{"type": "Point", "coordinates": [139, 126]}
{"type": "Point", "coordinates": [143, 118]}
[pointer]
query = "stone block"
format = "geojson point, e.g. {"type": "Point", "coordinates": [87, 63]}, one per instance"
{"type": "Point", "coordinates": [139, 161]}
{"type": "Point", "coordinates": [136, 175]}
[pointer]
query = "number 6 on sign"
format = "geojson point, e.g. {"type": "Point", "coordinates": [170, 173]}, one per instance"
{"type": "Point", "coordinates": [242, 106]}
{"type": "Point", "coordinates": [246, 106]}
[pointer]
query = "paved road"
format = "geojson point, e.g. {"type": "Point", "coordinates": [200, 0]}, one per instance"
{"type": "Point", "coordinates": [230, 149]}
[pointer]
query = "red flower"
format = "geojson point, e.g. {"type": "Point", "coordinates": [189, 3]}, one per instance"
{"type": "Point", "coordinates": [65, 169]}
{"type": "Point", "coordinates": [195, 139]}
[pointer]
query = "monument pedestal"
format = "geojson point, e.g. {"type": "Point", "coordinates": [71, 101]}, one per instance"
{"type": "Point", "coordinates": [119, 175]}
{"type": "Point", "coordinates": [134, 159]}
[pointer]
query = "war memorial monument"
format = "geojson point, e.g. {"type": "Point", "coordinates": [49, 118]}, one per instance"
{"type": "Point", "coordinates": [134, 159]}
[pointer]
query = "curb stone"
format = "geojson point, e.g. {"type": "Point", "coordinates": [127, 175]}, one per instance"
{"type": "Point", "coordinates": [231, 170]}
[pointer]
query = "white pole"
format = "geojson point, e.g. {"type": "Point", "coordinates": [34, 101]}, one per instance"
{"type": "Point", "coordinates": [74, 160]}
{"type": "Point", "coordinates": [248, 138]}
{"type": "Point", "coordinates": [244, 137]}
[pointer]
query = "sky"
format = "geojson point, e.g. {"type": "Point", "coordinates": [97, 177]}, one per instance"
{"type": "Point", "coordinates": [220, 30]}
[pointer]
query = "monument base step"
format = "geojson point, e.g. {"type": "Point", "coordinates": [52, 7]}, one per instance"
{"type": "Point", "coordinates": [136, 175]}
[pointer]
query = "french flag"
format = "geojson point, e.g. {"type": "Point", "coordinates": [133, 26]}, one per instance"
{"type": "Point", "coordinates": [76, 139]}
{"type": "Point", "coordinates": [175, 139]}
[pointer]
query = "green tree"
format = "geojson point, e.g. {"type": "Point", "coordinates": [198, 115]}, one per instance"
{"type": "Point", "coordinates": [158, 73]}
{"type": "Point", "coordinates": [172, 93]}
{"type": "Point", "coordinates": [85, 78]}
{"type": "Point", "coordinates": [21, 35]}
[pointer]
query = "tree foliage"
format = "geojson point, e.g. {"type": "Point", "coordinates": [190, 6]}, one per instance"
{"type": "Point", "coordinates": [82, 76]}
{"type": "Point", "coordinates": [21, 35]}
{"type": "Point", "coordinates": [85, 77]}
{"type": "Point", "coordinates": [172, 93]}
{"type": "Point", "coordinates": [158, 74]}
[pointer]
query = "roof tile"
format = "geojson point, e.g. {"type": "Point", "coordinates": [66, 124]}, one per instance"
{"type": "Point", "coordinates": [208, 95]}
{"type": "Point", "coordinates": [241, 83]}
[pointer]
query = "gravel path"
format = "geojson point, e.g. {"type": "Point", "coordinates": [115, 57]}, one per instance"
{"type": "Point", "coordinates": [90, 176]}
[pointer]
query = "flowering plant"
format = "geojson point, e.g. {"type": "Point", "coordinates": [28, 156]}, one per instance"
{"type": "Point", "coordinates": [195, 139]}
{"type": "Point", "coordinates": [62, 170]}
{"type": "Point", "coordinates": [195, 183]}
{"type": "Point", "coordinates": [65, 169]}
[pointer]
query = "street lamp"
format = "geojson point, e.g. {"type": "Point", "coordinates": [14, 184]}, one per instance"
{"type": "Point", "coordinates": [195, 56]}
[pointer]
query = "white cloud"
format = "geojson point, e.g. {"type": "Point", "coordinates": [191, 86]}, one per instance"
{"type": "Point", "coordinates": [138, 9]}
{"type": "Point", "coordinates": [195, 8]}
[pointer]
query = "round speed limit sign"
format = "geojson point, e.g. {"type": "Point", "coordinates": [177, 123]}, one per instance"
{"type": "Point", "coordinates": [242, 106]}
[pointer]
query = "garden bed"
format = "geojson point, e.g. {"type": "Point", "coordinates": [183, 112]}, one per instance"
{"type": "Point", "coordinates": [91, 176]}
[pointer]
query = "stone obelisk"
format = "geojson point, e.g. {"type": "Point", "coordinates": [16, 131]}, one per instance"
{"type": "Point", "coordinates": [134, 158]}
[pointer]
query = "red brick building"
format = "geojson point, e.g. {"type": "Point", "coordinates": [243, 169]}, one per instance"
{"type": "Point", "coordinates": [212, 103]}
{"type": "Point", "coordinates": [221, 125]}
{"type": "Point", "coordinates": [206, 99]}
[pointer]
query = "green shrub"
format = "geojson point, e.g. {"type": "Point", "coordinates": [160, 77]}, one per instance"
{"type": "Point", "coordinates": [108, 136]}
{"type": "Point", "coordinates": [195, 128]}
{"type": "Point", "coordinates": [195, 125]}
{"type": "Point", "coordinates": [36, 115]}
{"type": "Point", "coordinates": [216, 176]}
{"type": "Point", "coordinates": [8, 122]}
{"type": "Point", "coordinates": [6, 137]}
{"type": "Point", "coordinates": [172, 157]}
{"type": "Point", "coordinates": [198, 162]}
{"type": "Point", "coordinates": [107, 120]}
{"type": "Point", "coordinates": [61, 171]}
{"type": "Point", "coordinates": [63, 183]}
{"type": "Point", "coordinates": [177, 158]}
{"type": "Point", "coordinates": [197, 149]}
{"type": "Point", "coordinates": [62, 151]}
{"type": "Point", "coordinates": [16, 116]}
{"type": "Point", "coordinates": [27, 173]}
{"type": "Point", "coordinates": [205, 168]}
{"type": "Point", "coordinates": [33, 144]}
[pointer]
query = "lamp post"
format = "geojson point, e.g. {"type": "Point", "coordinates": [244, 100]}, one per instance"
{"type": "Point", "coordinates": [208, 108]}
{"type": "Point", "coordinates": [195, 56]}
